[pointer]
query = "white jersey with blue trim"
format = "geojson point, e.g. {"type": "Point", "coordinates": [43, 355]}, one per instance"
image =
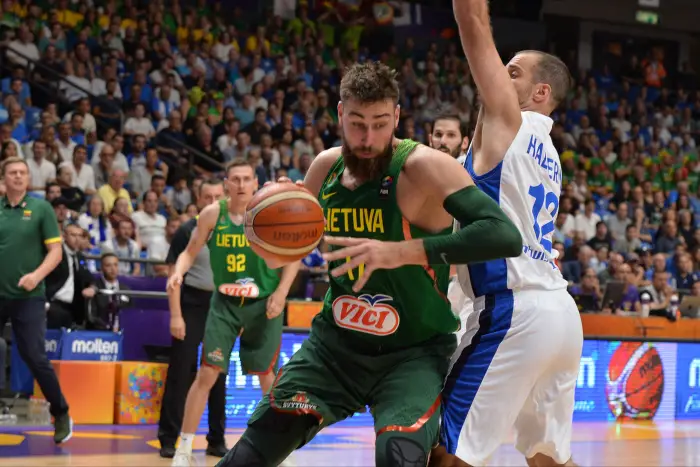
{"type": "Point", "coordinates": [526, 185]}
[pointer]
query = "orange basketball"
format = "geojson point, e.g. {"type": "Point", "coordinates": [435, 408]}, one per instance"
{"type": "Point", "coordinates": [284, 222]}
{"type": "Point", "coordinates": [635, 383]}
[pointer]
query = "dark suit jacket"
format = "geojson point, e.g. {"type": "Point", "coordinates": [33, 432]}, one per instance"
{"type": "Point", "coordinates": [102, 306]}
{"type": "Point", "coordinates": [58, 277]}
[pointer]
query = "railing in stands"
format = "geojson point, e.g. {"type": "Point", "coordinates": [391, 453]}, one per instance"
{"type": "Point", "coordinates": [189, 153]}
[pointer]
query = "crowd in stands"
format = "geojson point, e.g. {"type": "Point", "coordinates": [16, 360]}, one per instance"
{"type": "Point", "coordinates": [115, 146]}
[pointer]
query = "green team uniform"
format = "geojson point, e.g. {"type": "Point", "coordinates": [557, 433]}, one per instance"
{"type": "Point", "coordinates": [242, 284]}
{"type": "Point", "coordinates": [387, 347]}
{"type": "Point", "coordinates": [25, 231]}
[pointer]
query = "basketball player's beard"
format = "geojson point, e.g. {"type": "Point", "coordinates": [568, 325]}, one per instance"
{"type": "Point", "coordinates": [367, 169]}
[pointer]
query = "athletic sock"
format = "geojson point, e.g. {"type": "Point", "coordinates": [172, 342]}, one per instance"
{"type": "Point", "coordinates": [186, 440]}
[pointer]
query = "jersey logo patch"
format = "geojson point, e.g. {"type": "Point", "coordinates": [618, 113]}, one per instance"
{"type": "Point", "coordinates": [325, 196]}
{"type": "Point", "coordinates": [27, 215]}
{"type": "Point", "coordinates": [385, 186]}
{"type": "Point", "coordinates": [366, 313]}
{"type": "Point", "coordinates": [241, 288]}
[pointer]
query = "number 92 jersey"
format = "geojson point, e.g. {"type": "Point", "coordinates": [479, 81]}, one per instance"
{"type": "Point", "coordinates": [526, 185]}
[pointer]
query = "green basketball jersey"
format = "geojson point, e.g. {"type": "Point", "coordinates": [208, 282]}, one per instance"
{"type": "Point", "coordinates": [396, 308]}
{"type": "Point", "coordinates": [237, 270]}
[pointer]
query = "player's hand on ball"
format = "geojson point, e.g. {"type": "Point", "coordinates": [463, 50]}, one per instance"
{"type": "Point", "coordinates": [177, 327]}
{"type": "Point", "coordinates": [174, 281]}
{"type": "Point", "coordinates": [28, 282]}
{"type": "Point", "coordinates": [275, 305]}
{"type": "Point", "coordinates": [374, 254]}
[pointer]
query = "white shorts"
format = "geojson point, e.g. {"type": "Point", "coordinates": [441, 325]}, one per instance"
{"type": "Point", "coordinates": [516, 365]}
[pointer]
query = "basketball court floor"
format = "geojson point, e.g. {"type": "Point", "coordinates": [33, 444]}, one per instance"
{"type": "Point", "coordinates": [595, 444]}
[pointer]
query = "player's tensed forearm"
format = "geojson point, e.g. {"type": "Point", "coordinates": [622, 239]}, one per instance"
{"type": "Point", "coordinates": [289, 273]}
{"type": "Point", "coordinates": [486, 232]}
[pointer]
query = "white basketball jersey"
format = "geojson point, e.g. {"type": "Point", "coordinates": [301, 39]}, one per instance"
{"type": "Point", "coordinates": [526, 185]}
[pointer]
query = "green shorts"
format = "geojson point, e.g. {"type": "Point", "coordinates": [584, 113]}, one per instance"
{"type": "Point", "coordinates": [260, 340]}
{"type": "Point", "coordinates": [331, 378]}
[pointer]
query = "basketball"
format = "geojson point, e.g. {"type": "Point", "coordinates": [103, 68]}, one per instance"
{"type": "Point", "coordinates": [635, 383]}
{"type": "Point", "coordinates": [283, 222]}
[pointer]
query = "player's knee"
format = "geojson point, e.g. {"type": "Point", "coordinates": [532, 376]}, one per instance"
{"type": "Point", "coordinates": [206, 377]}
{"type": "Point", "coordinates": [396, 450]}
{"type": "Point", "coordinates": [272, 421]}
{"type": "Point", "coordinates": [243, 454]}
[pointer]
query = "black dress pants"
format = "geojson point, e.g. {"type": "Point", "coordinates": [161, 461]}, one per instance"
{"type": "Point", "coordinates": [28, 318]}
{"type": "Point", "coordinates": [182, 370]}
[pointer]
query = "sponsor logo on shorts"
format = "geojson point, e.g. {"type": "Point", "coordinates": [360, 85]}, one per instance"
{"type": "Point", "coordinates": [300, 401]}
{"type": "Point", "coordinates": [366, 313]}
{"type": "Point", "coordinates": [216, 355]}
{"type": "Point", "coordinates": [241, 288]}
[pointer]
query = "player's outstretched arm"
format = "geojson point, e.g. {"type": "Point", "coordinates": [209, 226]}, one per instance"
{"type": "Point", "coordinates": [497, 93]}
{"type": "Point", "coordinates": [205, 224]}
{"type": "Point", "coordinates": [486, 232]}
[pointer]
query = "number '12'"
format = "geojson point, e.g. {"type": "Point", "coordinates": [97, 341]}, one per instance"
{"type": "Point", "coordinates": [550, 202]}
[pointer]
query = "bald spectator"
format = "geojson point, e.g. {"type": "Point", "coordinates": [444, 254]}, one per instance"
{"type": "Point", "coordinates": [614, 263]}
{"type": "Point", "coordinates": [685, 276]}
{"type": "Point", "coordinates": [114, 189]}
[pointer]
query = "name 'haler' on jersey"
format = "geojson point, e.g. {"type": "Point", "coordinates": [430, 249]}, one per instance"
{"type": "Point", "coordinates": [536, 150]}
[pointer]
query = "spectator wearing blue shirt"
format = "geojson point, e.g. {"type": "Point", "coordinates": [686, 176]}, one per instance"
{"type": "Point", "coordinates": [20, 132]}
{"type": "Point", "coordinates": [246, 112]}
{"type": "Point", "coordinates": [77, 133]}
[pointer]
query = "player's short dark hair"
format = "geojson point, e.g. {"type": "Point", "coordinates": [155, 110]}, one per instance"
{"type": "Point", "coordinates": [238, 162]}
{"type": "Point", "coordinates": [454, 118]}
{"type": "Point", "coordinates": [551, 70]}
{"type": "Point", "coordinates": [369, 82]}
{"type": "Point", "coordinates": [157, 177]}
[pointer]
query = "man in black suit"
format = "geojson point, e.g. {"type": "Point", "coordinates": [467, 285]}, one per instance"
{"type": "Point", "coordinates": [70, 284]}
{"type": "Point", "coordinates": [103, 309]}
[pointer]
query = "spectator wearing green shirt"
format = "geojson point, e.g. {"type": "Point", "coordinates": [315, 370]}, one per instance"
{"type": "Point", "coordinates": [30, 248]}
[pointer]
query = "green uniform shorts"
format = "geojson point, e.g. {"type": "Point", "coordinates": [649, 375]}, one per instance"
{"type": "Point", "coordinates": [332, 376]}
{"type": "Point", "coordinates": [260, 341]}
